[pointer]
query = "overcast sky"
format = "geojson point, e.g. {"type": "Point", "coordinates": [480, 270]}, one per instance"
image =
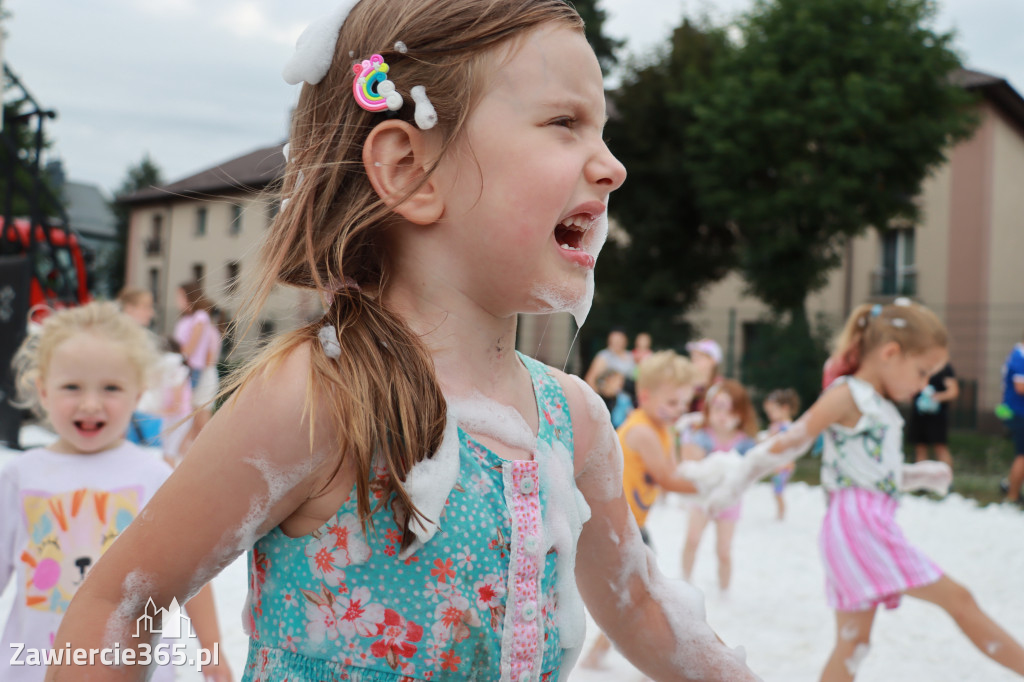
{"type": "Point", "coordinates": [197, 82]}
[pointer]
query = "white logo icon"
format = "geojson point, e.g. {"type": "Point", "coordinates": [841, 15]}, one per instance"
{"type": "Point", "coordinates": [174, 624]}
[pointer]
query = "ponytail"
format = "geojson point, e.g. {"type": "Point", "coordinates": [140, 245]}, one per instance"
{"type": "Point", "coordinates": [914, 327]}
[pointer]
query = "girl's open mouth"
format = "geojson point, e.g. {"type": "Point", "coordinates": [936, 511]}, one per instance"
{"type": "Point", "coordinates": [89, 428]}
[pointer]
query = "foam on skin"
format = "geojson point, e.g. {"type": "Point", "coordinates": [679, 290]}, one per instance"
{"type": "Point", "coordinates": [483, 416]}
{"type": "Point", "coordinates": [565, 513]}
{"type": "Point", "coordinates": [605, 440]}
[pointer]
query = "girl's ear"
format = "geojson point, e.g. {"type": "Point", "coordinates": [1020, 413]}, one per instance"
{"type": "Point", "coordinates": [41, 393]}
{"type": "Point", "coordinates": [396, 157]}
{"type": "Point", "coordinates": [889, 350]}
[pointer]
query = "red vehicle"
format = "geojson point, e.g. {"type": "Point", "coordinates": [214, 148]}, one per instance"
{"type": "Point", "coordinates": [59, 278]}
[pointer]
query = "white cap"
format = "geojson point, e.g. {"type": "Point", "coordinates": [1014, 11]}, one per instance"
{"type": "Point", "coordinates": [709, 347]}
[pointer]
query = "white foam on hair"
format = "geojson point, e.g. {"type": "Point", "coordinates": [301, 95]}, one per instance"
{"type": "Point", "coordinates": [136, 590]}
{"type": "Point", "coordinates": [565, 512]}
{"type": "Point", "coordinates": [401, 47]}
{"type": "Point", "coordinates": [314, 49]}
{"type": "Point", "coordinates": [853, 663]}
{"type": "Point", "coordinates": [480, 415]}
{"type": "Point", "coordinates": [425, 115]}
{"type": "Point", "coordinates": [428, 485]}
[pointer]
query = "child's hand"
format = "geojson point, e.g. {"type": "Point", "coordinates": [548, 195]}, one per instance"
{"type": "Point", "coordinates": [934, 477]}
{"type": "Point", "coordinates": [709, 473]}
{"type": "Point", "coordinates": [690, 420]}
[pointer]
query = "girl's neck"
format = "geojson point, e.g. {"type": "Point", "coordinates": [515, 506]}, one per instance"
{"type": "Point", "coordinates": [871, 374]}
{"type": "Point", "coordinates": [473, 351]}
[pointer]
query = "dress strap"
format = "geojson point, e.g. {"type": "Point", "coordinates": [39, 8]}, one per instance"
{"type": "Point", "coordinates": [552, 408]}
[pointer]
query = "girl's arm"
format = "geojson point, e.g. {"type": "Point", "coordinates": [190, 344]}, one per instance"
{"type": "Point", "coordinates": [657, 623]}
{"type": "Point", "coordinates": [203, 613]}
{"type": "Point", "coordinates": [198, 329]}
{"type": "Point", "coordinates": [950, 391]}
{"type": "Point", "coordinates": [253, 465]}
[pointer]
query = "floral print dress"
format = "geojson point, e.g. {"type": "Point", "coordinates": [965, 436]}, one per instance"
{"type": "Point", "coordinates": [477, 602]}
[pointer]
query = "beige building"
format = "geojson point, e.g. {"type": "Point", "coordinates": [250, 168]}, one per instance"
{"type": "Point", "coordinates": [963, 260]}
{"type": "Point", "coordinates": [208, 227]}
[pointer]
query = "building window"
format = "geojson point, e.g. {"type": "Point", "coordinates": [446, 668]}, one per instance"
{"type": "Point", "coordinates": [201, 222]}
{"type": "Point", "coordinates": [155, 241]}
{"type": "Point", "coordinates": [897, 272]}
{"type": "Point", "coordinates": [154, 284]}
{"type": "Point", "coordinates": [232, 271]}
{"type": "Point", "coordinates": [198, 272]}
{"type": "Point", "coordinates": [236, 220]}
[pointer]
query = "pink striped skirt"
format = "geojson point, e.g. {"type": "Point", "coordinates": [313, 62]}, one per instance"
{"type": "Point", "coordinates": [867, 559]}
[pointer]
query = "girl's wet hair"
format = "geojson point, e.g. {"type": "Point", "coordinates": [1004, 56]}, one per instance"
{"type": "Point", "coordinates": [381, 392]}
{"type": "Point", "coordinates": [913, 326]}
{"type": "Point", "coordinates": [742, 406]}
{"type": "Point", "coordinates": [104, 319]}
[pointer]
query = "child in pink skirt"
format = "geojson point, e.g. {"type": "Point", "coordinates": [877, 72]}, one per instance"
{"type": "Point", "coordinates": [887, 354]}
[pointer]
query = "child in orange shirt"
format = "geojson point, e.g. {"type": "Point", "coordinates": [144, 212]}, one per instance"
{"type": "Point", "coordinates": [664, 386]}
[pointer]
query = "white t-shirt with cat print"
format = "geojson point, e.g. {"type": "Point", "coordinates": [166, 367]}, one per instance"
{"type": "Point", "coordinates": [58, 514]}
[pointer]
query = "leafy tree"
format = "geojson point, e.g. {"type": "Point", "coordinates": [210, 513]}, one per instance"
{"type": "Point", "coordinates": [647, 279]}
{"type": "Point", "coordinates": [823, 123]}
{"type": "Point", "coordinates": [140, 176]}
{"type": "Point", "coordinates": [604, 46]}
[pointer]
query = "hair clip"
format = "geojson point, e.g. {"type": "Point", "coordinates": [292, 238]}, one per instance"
{"type": "Point", "coordinates": [372, 89]}
{"type": "Point", "coordinates": [876, 310]}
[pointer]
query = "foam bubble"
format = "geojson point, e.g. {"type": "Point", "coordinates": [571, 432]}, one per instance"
{"type": "Point", "coordinates": [480, 415]}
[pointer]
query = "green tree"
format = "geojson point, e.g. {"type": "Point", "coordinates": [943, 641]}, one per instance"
{"type": "Point", "coordinates": [140, 176]}
{"type": "Point", "coordinates": [647, 278]}
{"type": "Point", "coordinates": [604, 47]}
{"type": "Point", "coordinates": [822, 123]}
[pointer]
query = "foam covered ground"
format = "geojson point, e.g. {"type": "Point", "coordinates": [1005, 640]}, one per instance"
{"type": "Point", "coordinates": [776, 609]}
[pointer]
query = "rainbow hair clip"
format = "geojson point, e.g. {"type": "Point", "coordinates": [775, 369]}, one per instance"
{"type": "Point", "coordinates": [371, 87]}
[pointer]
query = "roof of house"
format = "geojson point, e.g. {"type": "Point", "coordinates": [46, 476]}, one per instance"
{"type": "Point", "coordinates": [252, 171]}
{"type": "Point", "coordinates": [88, 210]}
{"type": "Point", "coordinates": [997, 90]}
{"type": "Point", "coordinates": [257, 169]}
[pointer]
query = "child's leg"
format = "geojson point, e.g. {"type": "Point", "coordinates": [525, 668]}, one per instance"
{"type": "Point", "coordinates": [920, 452]}
{"type": "Point", "coordinates": [724, 530]}
{"type": "Point", "coordinates": [595, 656]}
{"type": "Point", "coordinates": [853, 637]}
{"type": "Point", "coordinates": [943, 455]}
{"type": "Point", "coordinates": [780, 504]}
{"type": "Point", "coordinates": [958, 602]}
{"type": "Point", "coordinates": [694, 529]}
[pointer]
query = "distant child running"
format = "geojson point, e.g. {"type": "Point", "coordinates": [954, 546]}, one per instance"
{"type": "Point", "coordinates": [62, 506]}
{"type": "Point", "coordinates": [890, 352]}
{"type": "Point", "coordinates": [781, 406]}
{"type": "Point", "coordinates": [730, 424]}
{"type": "Point", "coordinates": [664, 389]}
{"type": "Point", "coordinates": [418, 501]}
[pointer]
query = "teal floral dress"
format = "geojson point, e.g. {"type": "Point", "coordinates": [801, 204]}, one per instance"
{"type": "Point", "coordinates": [478, 601]}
